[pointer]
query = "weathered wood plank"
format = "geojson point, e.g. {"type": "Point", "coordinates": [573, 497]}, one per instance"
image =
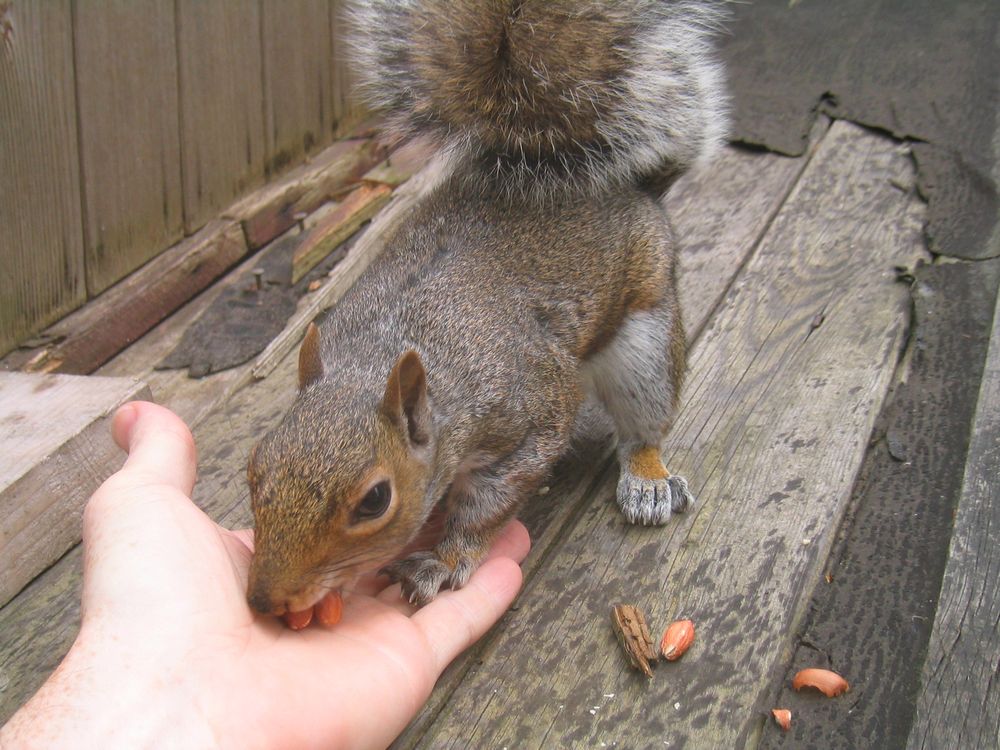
{"type": "Point", "coordinates": [56, 451]}
{"type": "Point", "coordinates": [401, 164]}
{"type": "Point", "coordinates": [221, 117]}
{"type": "Point", "coordinates": [877, 606]}
{"type": "Point", "coordinates": [719, 215]}
{"type": "Point", "coordinates": [84, 339]}
{"type": "Point", "coordinates": [360, 205]}
{"type": "Point", "coordinates": [41, 227]}
{"type": "Point", "coordinates": [959, 700]}
{"type": "Point", "coordinates": [773, 426]}
{"type": "Point", "coordinates": [126, 77]}
{"type": "Point", "coordinates": [89, 337]}
{"type": "Point", "coordinates": [276, 208]}
{"type": "Point", "coordinates": [298, 107]}
{"type": "Point", "coordinates": [347, 109]}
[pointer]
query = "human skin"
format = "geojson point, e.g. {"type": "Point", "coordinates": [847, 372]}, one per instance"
{"type": "Point", "coordinates": [169, 654]}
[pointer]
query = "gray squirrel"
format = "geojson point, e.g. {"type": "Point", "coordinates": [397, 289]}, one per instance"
{"type": "Point", "coordinates": [540, 270]}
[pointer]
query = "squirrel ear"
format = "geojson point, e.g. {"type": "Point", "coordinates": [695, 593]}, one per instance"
{"type": "Point", "coordinates": [310, 364]}
{"type": "Point", "coordinates": [405, 400]}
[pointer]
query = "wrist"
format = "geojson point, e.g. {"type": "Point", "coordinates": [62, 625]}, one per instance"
{"type": "Point", "coordinates": [102, 698]}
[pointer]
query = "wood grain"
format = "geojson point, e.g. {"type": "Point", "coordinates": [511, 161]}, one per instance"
{"type": "Point", "coordinates": [720, 211]}
{"type": "Point", "coordinates": [772, 429]}
{"type": "Point", "coordinates": [41, 230]}
{"type": "Point", "coordinates": [276, 207]}
{"type": "Point", "coordinates": [297, 55]}
{"type": "Point", "coordinates": [348, 110]}
{"type": "Point", "coordinates": [360, 205]}
{"type": "Point", "coordinates": [221, 117]}
{"type": "Point", "coordinates": [99, 330]}
{"type": "Point", "coordinates": [959, 700]}
{"type": "Point", "coordinates": [126, 74]}
{"type": "Point", "coordinates": [877, 606]}
{"type": "Point", "coordinates": [57, 450]}
{"type": "Point", "coordinates": [92, 335]}
{"type": "Point", "coordinates": [401, 164]}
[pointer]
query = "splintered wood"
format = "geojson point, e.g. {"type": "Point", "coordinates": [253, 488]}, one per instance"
{"type": "Point", "coordinates": [633, 634]}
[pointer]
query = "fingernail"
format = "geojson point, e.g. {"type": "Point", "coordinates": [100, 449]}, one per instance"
{"type": "Point", "coordinates": [122, 424]}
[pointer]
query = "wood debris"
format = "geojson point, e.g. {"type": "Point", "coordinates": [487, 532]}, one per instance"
{"type": "Point", "coordinates": [633, 633]}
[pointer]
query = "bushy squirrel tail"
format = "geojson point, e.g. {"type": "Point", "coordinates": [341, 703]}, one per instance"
{"type": "Point", "coordinates": [550, 94]}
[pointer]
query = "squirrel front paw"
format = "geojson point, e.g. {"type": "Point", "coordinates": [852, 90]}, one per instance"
{"type": "Point", "coordinates": [651, 501]}
{"type": "Point", "coordinates": [423, 574]}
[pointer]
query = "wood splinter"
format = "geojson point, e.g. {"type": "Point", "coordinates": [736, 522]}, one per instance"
{"type": "Point", "coordinates": [633, 634]}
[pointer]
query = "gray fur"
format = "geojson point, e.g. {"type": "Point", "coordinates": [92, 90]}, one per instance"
{"type": "Point", "coordinates": [541, 268]}
{"type": "Point", "coordinates": [648, 96]}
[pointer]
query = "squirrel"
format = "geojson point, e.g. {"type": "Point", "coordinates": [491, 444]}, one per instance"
{"type": "Point", "coordinates": [539, 271]}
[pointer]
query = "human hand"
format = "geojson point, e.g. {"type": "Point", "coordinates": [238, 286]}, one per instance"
{"type": "Point", "coordinates": [170, 654]}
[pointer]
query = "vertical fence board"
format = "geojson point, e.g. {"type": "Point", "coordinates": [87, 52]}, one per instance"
{"type": "Point", "coordinates": [298, 106]}
{"type": "Point", "coordinates": [221, 90]}
{"type": "Point", "coordinates": [126, 67]}
{"type": "Point", "coordinates": [346, 107]}
{"type": "Point", "coordinates": [41, 240]}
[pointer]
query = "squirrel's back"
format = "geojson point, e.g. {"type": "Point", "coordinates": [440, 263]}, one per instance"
{"type": "Point", "coordinates": [545, 95]}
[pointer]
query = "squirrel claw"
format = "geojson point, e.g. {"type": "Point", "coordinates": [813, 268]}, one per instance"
{"type": "Point", "coordinates": [651, 501]}
{"type": "Point", "coordinates": [421, 576]}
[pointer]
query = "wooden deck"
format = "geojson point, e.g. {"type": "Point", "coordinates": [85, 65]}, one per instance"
{"type": "Point", "coordinates": [799, 314]}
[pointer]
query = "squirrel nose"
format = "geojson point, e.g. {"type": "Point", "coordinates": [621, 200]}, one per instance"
{"type": "Point", "coordinates": [260, 600]}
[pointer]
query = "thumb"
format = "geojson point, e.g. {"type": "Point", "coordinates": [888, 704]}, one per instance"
{"type": "Point", "coordinates": [159, 445]}
{"type": "Point", "coordinates": [152, 486]}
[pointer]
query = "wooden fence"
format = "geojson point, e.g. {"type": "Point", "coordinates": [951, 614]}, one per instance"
{"type": "Point", "coordinates": [127, 124]}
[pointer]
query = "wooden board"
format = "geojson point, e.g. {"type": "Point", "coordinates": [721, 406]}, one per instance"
{"type": "Point", "coordinates": [126, 77]}
{"type": "Point", "coordinates": [278, 206]}
{"type": "Point", "coordinates": [720, 212]}
{"type": "Point", "coordinates": [57, 449]}
{"type": "Point", "coordinates": [358, 206]}
{"type": "Point", "coordinates": [41, 230]}
{"type": "Point", "coordinates": [84, 339]}
{"type": "Point", "coordinates": [89, 337]}
{"type": "Point", "coordinates": [959, 700]}
{"type": "Point", "coordinates": [221, 117]}
{"type": "Point", "coordinates": [347, 109]}
{"type": "Point", "coordinates": [872, 613]}
{"type": "Point", "coordinates": [298, 106]}
{"type": "Point", "coordinates": [770, 435]}
{"type": "Point", "coordinates": [401, 164]}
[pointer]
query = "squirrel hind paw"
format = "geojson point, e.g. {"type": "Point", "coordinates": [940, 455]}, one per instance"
{"type": "Point", "coordinates": [650, 502]}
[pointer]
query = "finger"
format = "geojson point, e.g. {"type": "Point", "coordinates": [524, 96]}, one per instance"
{"type": "Point", "coordinates": [159, 444]}
{"type": "Point", "coordinates": [245, 536]}
{"type": "Point", "coordinates": [513, 542]}
{"type": "Point", "coordinates": [457, 619]}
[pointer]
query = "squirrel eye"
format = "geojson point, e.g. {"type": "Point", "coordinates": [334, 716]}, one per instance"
{"type": "Point", "coordinates": [375, 503]}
